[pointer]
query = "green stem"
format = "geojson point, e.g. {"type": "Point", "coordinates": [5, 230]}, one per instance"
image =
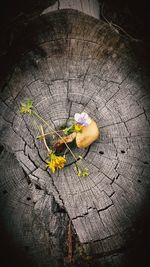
{"type": "Point", "coordinates": [40, 118]}
{"type": "Point", "coordinates": [39, 136]}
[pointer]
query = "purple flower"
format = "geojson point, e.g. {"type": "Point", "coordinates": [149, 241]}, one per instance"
{"type": "Point", "coordinates": [82, 118]}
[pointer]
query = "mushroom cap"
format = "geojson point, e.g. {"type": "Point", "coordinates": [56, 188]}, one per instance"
{"type": "Point", "coordinates": [88, 135]}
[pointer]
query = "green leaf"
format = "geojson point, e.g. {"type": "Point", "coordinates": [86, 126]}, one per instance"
{"type": "Point", "coordinates": [26, 107]}
{"type": "Point", "coordinates": [69, 130]}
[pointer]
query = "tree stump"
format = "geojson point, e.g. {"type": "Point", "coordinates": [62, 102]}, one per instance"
{"type": "Point", "coordinates": [68, 62]}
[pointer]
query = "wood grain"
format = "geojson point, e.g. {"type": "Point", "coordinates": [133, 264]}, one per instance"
{"type": "Point", "coordinates": [77, 63]}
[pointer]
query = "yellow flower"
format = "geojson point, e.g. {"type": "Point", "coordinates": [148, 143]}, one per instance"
{"type": "Point", "coordinates": [78, 127]}
{"type": "Point", "coordinates": [26, 107]}
{"type": "Point", "coordinates": [56, 162]}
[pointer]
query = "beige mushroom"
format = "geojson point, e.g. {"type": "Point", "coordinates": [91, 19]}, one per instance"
{"type": "Point", "coordinates": [88, 135]}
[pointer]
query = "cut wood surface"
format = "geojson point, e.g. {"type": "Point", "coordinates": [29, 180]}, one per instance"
{"type": "Point", "coordinates": [89, 7]}
{"type": "Point", "coordinates": [69, 62]}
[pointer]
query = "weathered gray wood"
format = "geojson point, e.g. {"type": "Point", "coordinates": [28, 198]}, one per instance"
{"type": "Point", "coordinates": [77, 63]}
{"type": "Point", "coordinates": [30, 218]}
{"type": "Point", "coordinates": [89, 7]}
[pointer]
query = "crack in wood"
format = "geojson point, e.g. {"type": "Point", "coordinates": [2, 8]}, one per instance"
{"type": "Point", "coordinates": [72, 72]}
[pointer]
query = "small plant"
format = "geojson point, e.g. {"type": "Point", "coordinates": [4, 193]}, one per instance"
{"type": "Point", "coordinates": [82, 124]}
